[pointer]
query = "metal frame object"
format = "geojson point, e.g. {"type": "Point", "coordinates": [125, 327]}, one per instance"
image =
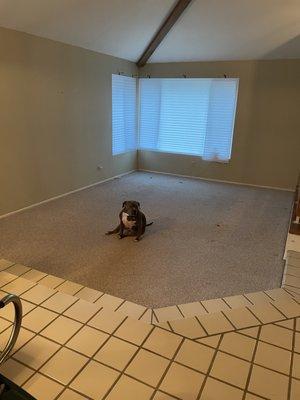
{"type": "Point", "coordinates": [11, 298]}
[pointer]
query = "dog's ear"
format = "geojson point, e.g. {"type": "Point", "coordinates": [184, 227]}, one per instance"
{"type": "Point", "coordinates": [138, 204]}
{"type": "Point", "coordinates": [124, 203]}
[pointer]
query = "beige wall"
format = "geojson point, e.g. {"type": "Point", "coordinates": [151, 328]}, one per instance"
{"type": "Point", "coordinates": [55, 119]}
{"type": "Point", "coordinates": [55, 122]}
{"type": "Point", "coordinates": [266, 147]}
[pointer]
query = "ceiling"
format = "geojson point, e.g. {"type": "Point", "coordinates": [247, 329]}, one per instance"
{"type": "Point", "coordinates": [208, 29]}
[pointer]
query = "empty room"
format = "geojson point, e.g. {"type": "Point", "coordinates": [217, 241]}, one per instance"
{"type": "Point", "coordinates": [150, 205]}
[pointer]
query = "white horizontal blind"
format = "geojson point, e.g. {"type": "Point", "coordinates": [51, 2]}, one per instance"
{"type": "Point", "coordinates": [220, 120]}
{"type": "Point", "coordinates": [124, 124]}
{"type": "Point", "coordinates": [188, 116]}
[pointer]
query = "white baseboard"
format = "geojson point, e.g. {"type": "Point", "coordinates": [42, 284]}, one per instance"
{"type": "Point", "coordinates": [216, 180]}
{"type": "Point", "coordinates": [130, 172]}
{"type": "Point", "coordinates": [64, 195]}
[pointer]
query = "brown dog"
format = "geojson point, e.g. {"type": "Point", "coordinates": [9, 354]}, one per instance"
{"type": "Point", "coordinates": [132, 221]}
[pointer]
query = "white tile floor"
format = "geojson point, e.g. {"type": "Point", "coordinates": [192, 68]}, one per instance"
{"type": "Point", "coordinates": [77, 343]}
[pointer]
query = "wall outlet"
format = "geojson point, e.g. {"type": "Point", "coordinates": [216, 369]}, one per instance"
{"type": "Point", "coordinates": [99, 167]}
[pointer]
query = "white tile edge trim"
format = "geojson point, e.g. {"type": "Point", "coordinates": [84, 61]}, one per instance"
{"type": "Point", "coordinates": [65, 194]}
{"type": "Point", "coordinates": [292, 243]}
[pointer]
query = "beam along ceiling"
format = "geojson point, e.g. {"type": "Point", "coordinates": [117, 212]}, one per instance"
{"type": "Point", "coordinates": [207, 30]}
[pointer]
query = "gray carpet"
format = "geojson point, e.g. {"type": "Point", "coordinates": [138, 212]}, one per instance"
{"type": "Point", "coordinates": [208, 239]}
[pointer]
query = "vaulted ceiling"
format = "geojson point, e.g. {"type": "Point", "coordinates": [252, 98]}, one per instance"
{"type": "Point", "coordinates": [207, 30]}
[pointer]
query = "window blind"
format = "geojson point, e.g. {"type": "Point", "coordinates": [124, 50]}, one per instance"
{"type": "Point", "coordinates": [188, 116]}
{"type": "Point", "coordinates": [124, 124]}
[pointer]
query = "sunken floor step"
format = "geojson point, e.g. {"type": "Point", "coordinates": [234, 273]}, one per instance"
{"type": "Point", "coordinates": [233, 319]}
{"type": "Point", "coordinates": [225, 304]}
{"type": "Point", "coordinates": [57, 294]}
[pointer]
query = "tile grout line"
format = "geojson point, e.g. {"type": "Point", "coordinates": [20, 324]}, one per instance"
{"type": "Point", "coordinates": [145, 312]}
{"type": "Point", "coordinates": [231, 323]}
{"type": "Point", "coordinates": [263, 341]}
{"type": "Point", "coordinates": [151, 321]}
{"type": "Point", "coordinates": [171, 328]}
{"type": "Point", "coordinates": [202, 326]}
{"type": "Point", "coordinates": [37, 281]}
{"type": "Point", "coordinates": [227, 303]}
{"type": "Point", "coordinates": [280, 312]}
{"type": "Point", "coordinates": [204, 307]}
{"type": "Point", "coordinates": [210, 367]}
{"type": "Point", "coordinates": [245, 295]}
{"type": "Point", "coordinates": [144, 383]}
{"type": "Point", "coordinates": [251, 364]}
{"type": "Point", "coordinates": [292, 360]}
{"type": "Point", "coordinates": [91, 358]}
{"type": "Point", "coordinates": [221, 298]}
{"type": "Point", "coordinates": [200, 302]}
{"type": "Point", "coordinates": [291, 292]}
{"type": "Point", "coordinates": [35, 307]}
{"type": "Point", "coordinates": [171, 360]}
{"type": "Point", "coordinates": [254, 315]}
{"type": "Point", "coordinates": [13, 280]}
{"type": "Point", "coordinates": [98, 298]}
{"type": "Point", "coordinates": [155, 316]}
{"type": "Point", "coordinates": [292, 286]}
{"type": "Point", "coordinates": [151, 351]}
{"type": "Point", "coordinates": [122, 372]}
{"type": "Point", "coordinates": [111, 335]}
{"type": "Point", "coordinates": [180, 311]}
{"type": "Point", "coordinates": [296, 301]}
{"type": "Point", "coordinates": [61, 314]}
{"type": "Point", "coordinates": [38, 334]}
{"type": "Point", "coordinates": [289, 274]}
{"type": "Point", "coordinates": [38, 370]}
{"type": "Point", "coordinates": [283, 288]}
{"type": "Point", "coordinates": [165, 357]}
{"type": "Point", "coordinates": [270, 297]}
{"type": "Point", "coordinates": [119, 306]}
{"type": "Point", "coordinates": [284, 327]}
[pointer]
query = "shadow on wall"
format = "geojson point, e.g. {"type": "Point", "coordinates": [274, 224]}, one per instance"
{"type": "Point", "coordinates": [286, 49]}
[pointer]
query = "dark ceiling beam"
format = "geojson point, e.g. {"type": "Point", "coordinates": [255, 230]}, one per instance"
{"type": "Point", "coordinates": [175, 13]}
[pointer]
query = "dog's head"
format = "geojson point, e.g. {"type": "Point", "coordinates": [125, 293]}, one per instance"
{"type": "Point", "coordinates": [131, 208]}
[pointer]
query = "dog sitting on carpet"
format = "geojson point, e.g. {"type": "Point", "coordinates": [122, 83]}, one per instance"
{"type": "Point", "coordinates": [132, 221]}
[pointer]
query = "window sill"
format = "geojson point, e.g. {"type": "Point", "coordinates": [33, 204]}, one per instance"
{"type": "Point", "coordinates": [189, 155]}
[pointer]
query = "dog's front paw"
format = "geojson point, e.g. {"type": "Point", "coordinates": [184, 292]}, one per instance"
{"type": "Point", "coordinates": [121, 236]}
{"type": "Point", "coordinates": [137, 239]}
